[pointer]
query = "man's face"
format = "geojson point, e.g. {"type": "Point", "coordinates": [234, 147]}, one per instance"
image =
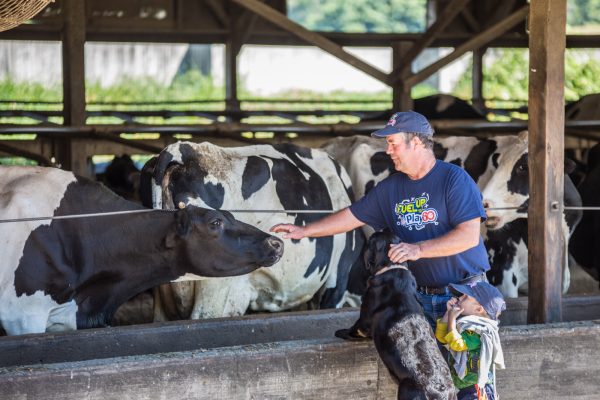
{"type": "Point", "coordinates": [400, 152]}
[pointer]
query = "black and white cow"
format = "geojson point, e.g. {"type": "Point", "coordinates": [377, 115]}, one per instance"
{"type": "Point", "coordinates": [507, 228]}
{"type": "Point", "coordinates": [65, 274]}
{"type": "Point", "coordinates": [260, 177]}
{"type": "Point", "coordinates": [586, 236]}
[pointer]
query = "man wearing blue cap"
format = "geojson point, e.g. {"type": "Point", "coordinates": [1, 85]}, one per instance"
{"type": "Point", "coordinates": [434, 207]}
{"type": "Point", "coordinates": [473, 343]}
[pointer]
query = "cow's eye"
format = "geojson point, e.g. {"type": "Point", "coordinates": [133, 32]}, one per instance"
{"type": "Point", "coordinates": [215, 223]}
{"type": "Point", "coordinates": [521, 168]}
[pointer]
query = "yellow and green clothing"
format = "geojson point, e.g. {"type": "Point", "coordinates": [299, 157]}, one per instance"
{"type": "Point", "coordinates": [466, 341]}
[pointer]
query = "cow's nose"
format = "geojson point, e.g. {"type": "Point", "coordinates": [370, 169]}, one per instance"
{"type": "Point", "coordinates": [276, 244]}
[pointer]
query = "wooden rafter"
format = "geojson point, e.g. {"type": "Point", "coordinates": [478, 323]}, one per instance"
{"type": "Point", "coordinates": [469, 19]}
{"type": "Point", "coordinates": [243, 25]}
{"type": "Point", "coordinates": [43, 161]}
{"type": "Point", "coordinates": [279, 19]}
{"type": "Point", "coordinates": [472, 44]}
{"type": "Point", "coordinates": [218, 10]}
{"type": "Point", "coordinates": [442, 21]}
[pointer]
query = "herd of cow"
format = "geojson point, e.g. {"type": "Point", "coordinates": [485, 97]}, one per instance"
{"type": "Point", "coordinates": [64, 274]}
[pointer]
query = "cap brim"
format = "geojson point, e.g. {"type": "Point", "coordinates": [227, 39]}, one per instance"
{"type": "Point", "coordinates": [387, 131]}
{"type": "Point", "coordinates": [461, 289]}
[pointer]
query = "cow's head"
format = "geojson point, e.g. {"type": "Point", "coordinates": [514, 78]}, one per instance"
{"type": "Point", "coordinates": [213, 243]}
{"type": "Point", "coordinates": [509, 186]}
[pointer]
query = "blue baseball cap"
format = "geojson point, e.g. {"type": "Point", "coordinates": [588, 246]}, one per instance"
{"type": "Point", "coordinates": [487, 295]}
{"type": "Point", "coordinates": [408, 121]}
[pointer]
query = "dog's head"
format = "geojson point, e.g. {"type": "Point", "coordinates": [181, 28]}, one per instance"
{"type": "Point", "coordinates": [376, 255]}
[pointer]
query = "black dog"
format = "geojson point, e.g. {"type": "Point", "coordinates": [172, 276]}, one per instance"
{"type": "Point", "coordinates": [392, 316]}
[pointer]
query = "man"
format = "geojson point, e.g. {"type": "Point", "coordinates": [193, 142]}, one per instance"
{"type": "Point", "coordinates": [434, 207]}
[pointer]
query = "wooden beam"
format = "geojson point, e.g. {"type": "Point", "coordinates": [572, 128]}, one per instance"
{"type": "Point", "coordinates": [218, 10]}
{"type": "Point", "coordinates": [442, 21]}
{"type": "Point", "coordinates": [472, 44]}
{"type": "Point", "coordinates": [73, 62]}
{"type": "Point", "coordinates": [477, 79]}
{"type": "Point", "coordinates": [41, 160]}
{"type": "Point", "coordinates": [68, 153]}
{"type": "Point", "coordinates": [242, 27]}
{"type": "Point", "coordinates": [547, 24]}
{"type": "Point", "coordinates": [469, 19]}
{"type": "Point", "coordinates": [501, 11]}
{"type": "Point", "coordinates": [401, 93]}
{"type": "Point", "coordinates": [313, 38]}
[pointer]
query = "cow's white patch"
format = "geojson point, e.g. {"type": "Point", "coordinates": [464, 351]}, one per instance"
{"type": "Point", "coordinates": [19, 194]}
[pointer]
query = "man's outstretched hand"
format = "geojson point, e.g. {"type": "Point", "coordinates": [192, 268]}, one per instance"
{"type": "Point", "coordinates": [290, 231]}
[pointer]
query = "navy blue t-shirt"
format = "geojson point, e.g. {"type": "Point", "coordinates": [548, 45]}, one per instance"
{"type": "Point", "coordinates": [427, 208]}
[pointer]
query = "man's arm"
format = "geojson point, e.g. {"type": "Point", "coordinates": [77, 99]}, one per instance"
{"type": "Point", "coordinates": [465, 236]}
{"type": "Point", "coordinates": [341, 221]}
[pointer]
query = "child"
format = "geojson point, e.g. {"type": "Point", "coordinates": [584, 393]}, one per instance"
{"type": "Point", "coordinates": [472, 340]}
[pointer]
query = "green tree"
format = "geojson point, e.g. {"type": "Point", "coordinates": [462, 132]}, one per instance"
{"type": "Point", "coordinates": [359, 15]}
{"type": "Point", "coordinates": [583, 12]}
{"type": "Point", "coordinates": [507, 76]}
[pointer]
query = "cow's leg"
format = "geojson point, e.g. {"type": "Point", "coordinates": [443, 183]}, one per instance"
{"type": "Point", "coordinates": [222, 297]}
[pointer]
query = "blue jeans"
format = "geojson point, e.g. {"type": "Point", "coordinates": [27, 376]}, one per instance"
{"type": "Point", "coordinates": [434, 305]}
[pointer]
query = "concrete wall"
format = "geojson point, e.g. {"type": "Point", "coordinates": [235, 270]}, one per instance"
{"type": "Point", "coordinates": [280, 356]}
{"type": "Point", "coordinates": [264, 70]}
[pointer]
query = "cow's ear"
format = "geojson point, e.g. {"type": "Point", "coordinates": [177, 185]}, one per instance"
{"type": "Point", "coordinates": [182, 228]}
{"type": "Point", "coordinates": [183, 222]}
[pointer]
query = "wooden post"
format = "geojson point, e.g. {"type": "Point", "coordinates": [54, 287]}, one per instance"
{"type": "Point", "coordinates": [232, 49]}
{"type": "Point", "coordinates": [477, 79]}
{"type": "Point", "coordinates": [69, 151]}
{"type": "Point", "coordinates": [401, 92]}
{"type": "Point", "coordinates": [547, 21]}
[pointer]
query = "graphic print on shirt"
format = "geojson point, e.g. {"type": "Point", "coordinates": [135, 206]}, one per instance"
{"type": "Point", "coordinates": [416, 213]}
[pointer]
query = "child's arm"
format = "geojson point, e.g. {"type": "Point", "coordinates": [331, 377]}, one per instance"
{"type": "Point", "coordinates": [441, 326]}
{"type": "Point", "coordinates": [455, 340]}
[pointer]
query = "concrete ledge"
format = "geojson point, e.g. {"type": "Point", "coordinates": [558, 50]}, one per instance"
{"type": "Point", "coordinates": [207, 334]}
{"type": "Point", "coordinates": [544, 361]}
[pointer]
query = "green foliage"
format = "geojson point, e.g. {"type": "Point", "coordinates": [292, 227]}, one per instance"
{"type": "Point", "coordinates": [29, 91]}
{"type": "Point", "coordinates": [507, 76]}
{"type": "Point", "coordinates": [583, 12]}
{"type": "Point", "coordinates": [191, 85]}
{"type": "Point", "coordinates": [581, 74]}
{"type": "Point", "coordinates": [359, 15]}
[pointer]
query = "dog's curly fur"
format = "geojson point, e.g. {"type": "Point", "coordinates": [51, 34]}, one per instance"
{"type": "Point", "coordinates": [392, 316]}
